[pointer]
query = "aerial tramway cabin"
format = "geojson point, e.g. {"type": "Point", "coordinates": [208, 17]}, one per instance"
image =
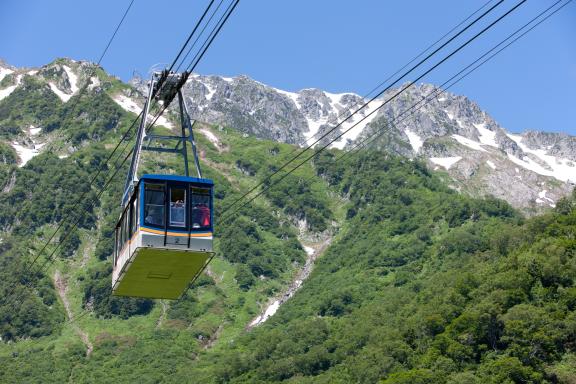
{"type": "Point", "coordinates": [164, 236]}
{"type": "Point", "coordinates": [163, 239]}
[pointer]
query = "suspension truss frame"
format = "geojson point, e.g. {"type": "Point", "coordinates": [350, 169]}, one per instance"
{"type": "Point", "coordinates": [164, 86]}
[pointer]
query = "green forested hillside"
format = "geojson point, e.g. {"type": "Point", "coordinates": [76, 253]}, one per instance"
{"type": "Point", "coordinates": [423, 286]}
{"type": "Point", "coordinates": [420, 284]}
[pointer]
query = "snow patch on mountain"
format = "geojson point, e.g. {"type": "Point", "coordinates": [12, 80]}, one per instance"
{"type": "Point", "coordinates": [127, 104]}
{"type": "Point", "coordinates": [332, 118]}
{"type": "Point", "coordinates": [561, 169]}
{"type": "Point", "coordinates": [62, 95]}
{"type": "Point", "coordinates": [211, 91]}
{"type": "Point", "coordinates": [460, 123]}
{"type": "Point", "coordinates": [491, 164]}
{"type": "Point", "coordinates": [356, 124]}
{"type": "Point", "coordinates": [530, 165]}
{"type": "Point", "coordinates": [34, 130]}
{"type": "Point", "coordinates": [334, 99]}
{"type": "Point", "coordinates": [8, 90]}
{"type": "Point", "coordinates": [542, 195]}
{"type": "Point", "coordinates": [468, 143]}
{"type": "Point", "coordinates": [94, 82]}
{"type": "Point", "coordinates": [313, 128]}
{"type": "Point", "coordinates": [293, 96]}
{"type": "Point", "coordinates": [131, 106]}
{"type": "Point", "coordinates": [72, 78]}
{"type": "Point", "coordinates": [212, 138]}
{"type": "Point", "coordinates": [271, 310]}
{"type": "Point", "coordinates": [4, 72]}
{"type": "Point", "coordinates": [446, 162]}
{"type": "Point", "coordinates": [543, 199]}
{"type": "Point", "coordinates": [487, 137]}
{"type": "Point", "coordinates": [26, 154]}
{"type": "Point", "coordinates": [415, 141]}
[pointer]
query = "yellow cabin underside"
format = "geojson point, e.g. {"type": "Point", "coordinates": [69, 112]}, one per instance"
{"type": "Point", "coordinates": [160, 273]}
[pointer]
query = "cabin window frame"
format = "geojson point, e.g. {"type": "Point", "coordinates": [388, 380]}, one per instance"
{"type": "Point", "coordinates": [209, 189]}
{"type": "Point", "coordinates": [184, 208]}
{"type": "Point", "coordinates": [166, 187]}
{"type": "Point", "coordinates": [145, 204]}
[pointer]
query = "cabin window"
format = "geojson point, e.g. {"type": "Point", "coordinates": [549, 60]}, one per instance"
{"type": "Point", "coordinates": [200, 203]}
{"type": "Point", "coordinates": [177, 207]}
{"type": "Point", "coordinates": [154, 204]}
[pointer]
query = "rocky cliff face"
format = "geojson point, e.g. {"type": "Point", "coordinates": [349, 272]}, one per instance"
{"type": "Point", "coordinates": [453, 134]}
{"type": "Point", "coordinates": [530, 170]}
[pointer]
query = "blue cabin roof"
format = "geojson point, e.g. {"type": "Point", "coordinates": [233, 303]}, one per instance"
{"type": "Point", "coordinates": [186, 179]}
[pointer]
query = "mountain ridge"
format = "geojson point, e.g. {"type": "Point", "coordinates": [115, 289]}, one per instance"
{"type": "Point", "coordinates": [451, 132]}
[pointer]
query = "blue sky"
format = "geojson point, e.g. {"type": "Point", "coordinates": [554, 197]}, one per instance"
{"type": "Point", "coordinates": [335, 45]}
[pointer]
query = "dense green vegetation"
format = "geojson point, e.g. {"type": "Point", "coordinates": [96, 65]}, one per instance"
{"type": "Point", "coordinates": [24, 311]}
{"type": "Point", "coordinates": [88, 117]}
{"type": "Point", "coordinates": [7, 154]}
{"type": "Point", "coordinates": [32, 103]}
{"type": "Point", "coordinates": [62, 181]}
{"type": "Point", "coordinates": [298, 197]}
{"type": "Point", "coordinates": [8, 80]}
{"type": "Point", "coordinates": [35, 199]}
{"type": "Point", "coordinates": [258, 242]}
{"type": "Point", "coordinates": [302, 201]}
{"type": "Point", "coordinates": [424, 286]}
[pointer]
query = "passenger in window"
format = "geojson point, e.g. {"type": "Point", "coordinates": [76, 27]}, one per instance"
{"type": "Point", "coordinates": [200, 216]}
{"type": "Point", "coordinates": [196, 216]}
{"type": "Point", "coordinates": [205, 215]}
{"type": "Point", "coordinates": [154, 217]}
{"type": "Point", "coordinates": [177, 213]}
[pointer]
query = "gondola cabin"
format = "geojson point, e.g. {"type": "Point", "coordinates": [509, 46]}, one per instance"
{"type": "Point", "coordinates": [163, 237]}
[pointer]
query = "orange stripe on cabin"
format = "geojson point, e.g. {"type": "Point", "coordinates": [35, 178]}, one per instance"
{"type": "Point", "coordinates": [157, 232]}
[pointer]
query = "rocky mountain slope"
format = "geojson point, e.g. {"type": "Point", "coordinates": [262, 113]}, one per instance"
{"type": "Point", "coordinates": [531, 170]}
